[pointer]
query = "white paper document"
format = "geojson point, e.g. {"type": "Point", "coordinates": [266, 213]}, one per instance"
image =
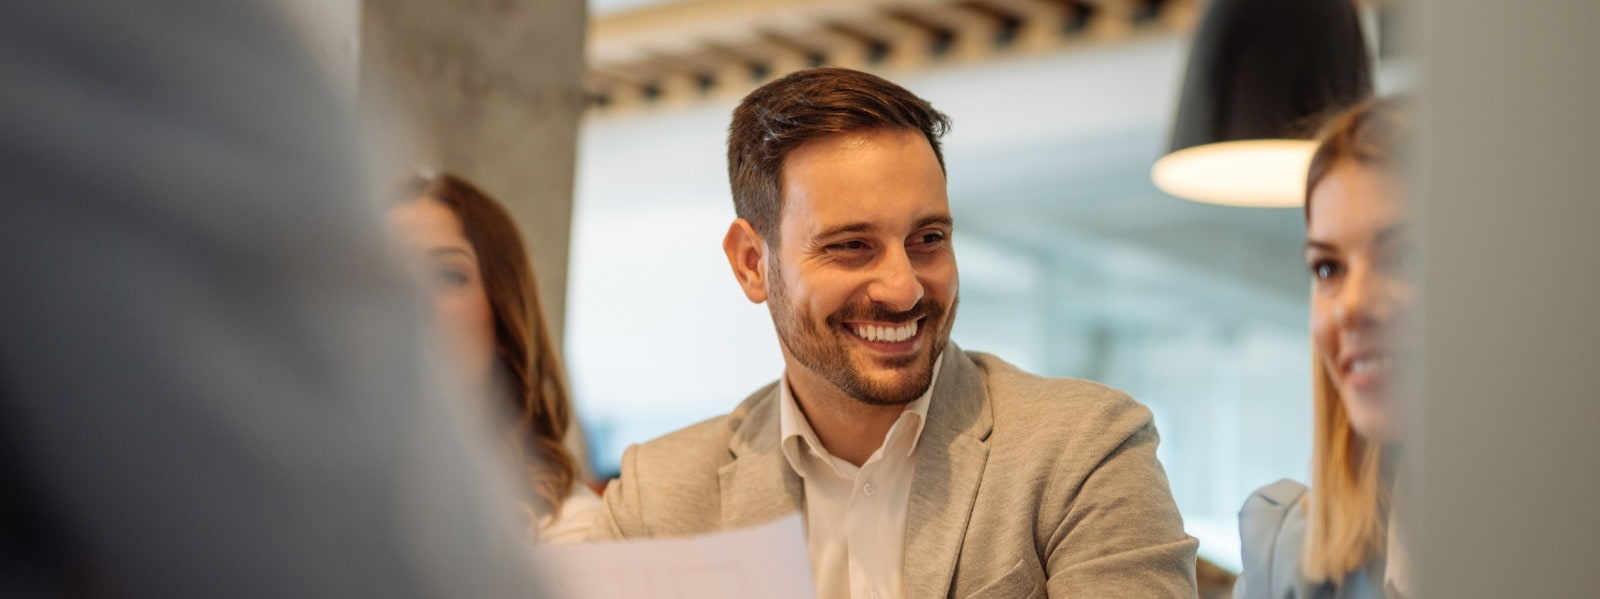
{"type": "Point", "coordinates": [764, 561]}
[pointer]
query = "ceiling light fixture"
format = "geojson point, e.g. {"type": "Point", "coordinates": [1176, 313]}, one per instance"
{"type": "Point", "coordinates": [1260, 74]}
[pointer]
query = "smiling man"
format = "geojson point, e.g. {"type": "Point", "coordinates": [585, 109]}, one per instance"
{"type": "Point", "coordinates": [923, 470]}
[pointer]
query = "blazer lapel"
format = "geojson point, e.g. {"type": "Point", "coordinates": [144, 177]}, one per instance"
{"type": "Point", "coordinates": [950, 460]}
{"type": "Point", "coordinates": [758, 486]}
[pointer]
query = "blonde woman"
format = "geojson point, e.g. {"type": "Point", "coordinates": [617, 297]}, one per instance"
{"type": "Point", "coordinates": [1334, 539]}
{"type": "Point", "coordinates": [485, 299]}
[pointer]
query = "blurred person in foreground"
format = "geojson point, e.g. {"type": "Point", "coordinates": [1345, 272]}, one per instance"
{"type": "Point", "coordinates": [923, 470]}
{"type": "Point", "coordinates": [1336, 539]}
{"type": "Point", "coordinates": [486, 302]}
{"type": "Point", "coordinates": [213, 381]}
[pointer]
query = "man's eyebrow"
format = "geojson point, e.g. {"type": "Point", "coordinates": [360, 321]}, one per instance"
{"type": "Point", "coordinates": [857, 227]}
{"type": "Point", "coordinates": [866, 227]}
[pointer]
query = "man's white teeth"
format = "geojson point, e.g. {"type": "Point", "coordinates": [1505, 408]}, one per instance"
{"type": "Point", "coordinates": [887, 334]}
{"type": "Point", "coordinates": [1371, 364]}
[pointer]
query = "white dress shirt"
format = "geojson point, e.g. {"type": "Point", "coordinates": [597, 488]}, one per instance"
{"type": "Point", "coordinates": [855, 517]}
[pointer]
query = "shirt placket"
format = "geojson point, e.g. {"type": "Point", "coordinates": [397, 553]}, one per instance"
{"type": "Point", "coordinates": [863, 514]}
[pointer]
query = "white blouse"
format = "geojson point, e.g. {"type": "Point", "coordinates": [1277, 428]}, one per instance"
{"type": "Point", "coordinates": [570, 524]}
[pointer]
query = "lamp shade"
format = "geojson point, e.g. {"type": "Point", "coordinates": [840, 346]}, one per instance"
{"type": "Point", "coordinates": [1261, 74]}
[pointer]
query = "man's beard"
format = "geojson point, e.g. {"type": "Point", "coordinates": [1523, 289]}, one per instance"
{"type": "Point", "coordinates": [826, 353]}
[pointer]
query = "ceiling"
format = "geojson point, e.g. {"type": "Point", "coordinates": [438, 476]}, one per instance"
{"type": "Point", "coordinates": [650, 53]}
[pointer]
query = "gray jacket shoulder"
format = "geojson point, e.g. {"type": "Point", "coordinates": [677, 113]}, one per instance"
{"type": "Point", "coordinates": [1082, 457]}
{"type": "Point", "coordinates": [704, 443]}
{"type": "Point", "coordinates": [1033, 408]}
{"type": "Point", "coordinates": [677, 469]}
{"type": "Point", "coordinates": [1063, 430]}
{"type": "Point", "coordinates": [1272, 528]}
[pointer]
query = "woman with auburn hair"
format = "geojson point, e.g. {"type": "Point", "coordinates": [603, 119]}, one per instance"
{"type": "Point", "coordinates": [486, 302]}
{"type": "Point", "coordinates": [1336, 539]}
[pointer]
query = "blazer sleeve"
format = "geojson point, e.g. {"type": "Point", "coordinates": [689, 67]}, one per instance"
{"type": "Point", "coordinates": [1122, 535]}
{"type": "Point", "coordinates": [619, 517]}
{"type": "Point", "coordinates": [1271, 525]}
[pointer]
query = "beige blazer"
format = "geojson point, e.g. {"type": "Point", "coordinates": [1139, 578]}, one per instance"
{"type": "Point", "coordinates": [1025, 487]}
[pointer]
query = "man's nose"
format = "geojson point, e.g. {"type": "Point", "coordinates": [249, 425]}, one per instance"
{"type": "Point", "coordinates": [895, 282]}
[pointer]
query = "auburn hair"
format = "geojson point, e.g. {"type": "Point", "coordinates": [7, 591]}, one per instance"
{"type": "Point", "coordinates": [1348, 504]}
{"type": "Point", "coordinates": [535, 380]}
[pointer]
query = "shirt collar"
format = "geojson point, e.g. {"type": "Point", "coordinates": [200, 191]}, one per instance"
{"type": "Point", "coordinates": [792, 423]}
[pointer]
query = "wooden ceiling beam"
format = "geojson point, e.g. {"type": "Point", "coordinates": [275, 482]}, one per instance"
{"type": "Point", "coordinates": [686, 50]}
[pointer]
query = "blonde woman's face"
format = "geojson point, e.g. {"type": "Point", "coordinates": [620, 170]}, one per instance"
{"type": "Point", "coordinates": [1357, 242]}
{"type": "Point", "coordinates": [438, 241]}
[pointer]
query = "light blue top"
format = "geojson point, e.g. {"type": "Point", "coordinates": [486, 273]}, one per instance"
{"type": "Point", "coordinates": [1272, 531]}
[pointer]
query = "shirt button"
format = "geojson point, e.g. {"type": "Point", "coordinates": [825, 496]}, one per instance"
{"type": "Point", "coordinates": [872, 594]}
{"type": "Point", "coordinates": [869, 490]}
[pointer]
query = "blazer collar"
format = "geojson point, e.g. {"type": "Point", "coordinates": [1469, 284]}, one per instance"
{"type": "Point", "coordinates": [758, 485]}
{"type": "Point", "coordinates": [950, 464]}
{"type": "Point", "coordinates": [961, 398]}
{"type": "Point", "coordinates": [960, 403]}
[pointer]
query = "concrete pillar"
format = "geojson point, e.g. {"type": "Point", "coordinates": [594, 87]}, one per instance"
{"type": "Point", "coordinates": [492, 90]}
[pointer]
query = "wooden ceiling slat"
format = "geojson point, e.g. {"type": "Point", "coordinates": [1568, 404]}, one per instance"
{"type": "Point", "coordinates": [683, 51]}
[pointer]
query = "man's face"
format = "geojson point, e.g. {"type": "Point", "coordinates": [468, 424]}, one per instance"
{"type": "Point", "coordinates": [862, 282]}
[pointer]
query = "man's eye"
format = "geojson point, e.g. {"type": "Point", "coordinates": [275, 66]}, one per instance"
{"type": "Point", "coordinates": [927, 241]}
{"type": "Point", "coordinates": [1323, 270]}
{"type": "Point", "coordinates": [849, 246]}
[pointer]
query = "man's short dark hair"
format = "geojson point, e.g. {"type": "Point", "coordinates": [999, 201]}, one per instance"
{"type": "Point", "coordinates": [783, 114]}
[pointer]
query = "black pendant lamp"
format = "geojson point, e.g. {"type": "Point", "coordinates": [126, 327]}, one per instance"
{"type": "Point", "coordinates": [1261, 74]}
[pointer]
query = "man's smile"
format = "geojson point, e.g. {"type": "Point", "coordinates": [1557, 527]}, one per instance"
{"type": "Point", "coordinates": [887, 337]}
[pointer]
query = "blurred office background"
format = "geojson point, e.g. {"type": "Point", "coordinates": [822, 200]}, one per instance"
{"type": "Point", "coordinates": [1073, 264]}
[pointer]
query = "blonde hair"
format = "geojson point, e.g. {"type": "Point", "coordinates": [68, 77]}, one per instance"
{"type": "Point", "coordinates": [1347, 505]}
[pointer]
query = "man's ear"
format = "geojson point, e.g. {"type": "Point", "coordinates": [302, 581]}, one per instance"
{"type": "Point", "coordinates": [747, 255]}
